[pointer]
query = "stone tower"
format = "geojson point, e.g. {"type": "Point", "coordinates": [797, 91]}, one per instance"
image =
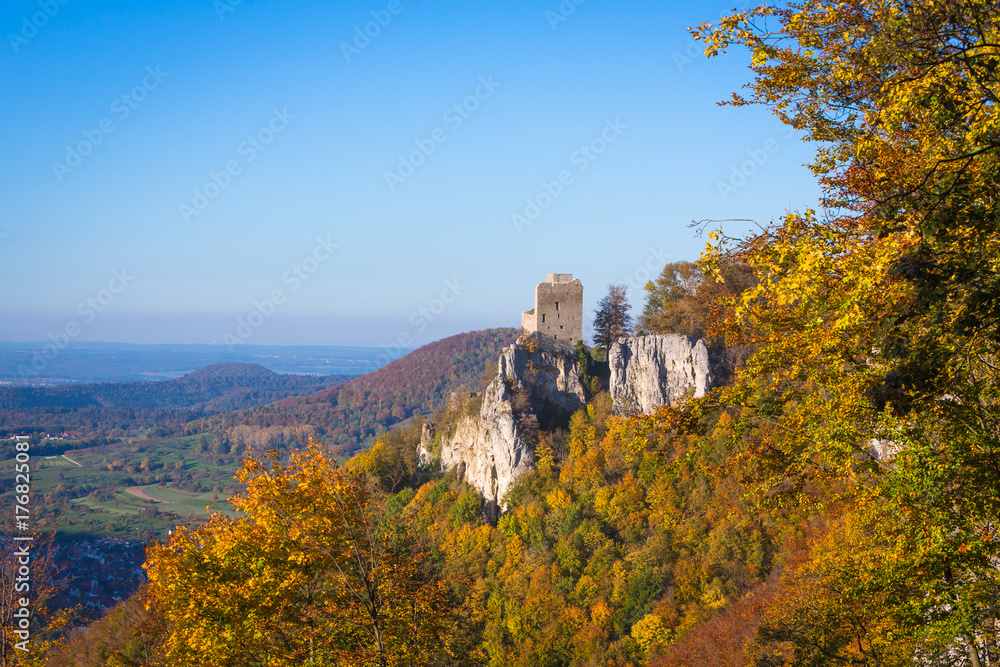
{"type": "Point", "coordinates": [558, 310]}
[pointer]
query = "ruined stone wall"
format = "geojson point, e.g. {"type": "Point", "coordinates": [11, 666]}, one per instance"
{"type": "Point", "coordinates": [558, 310]}
{"type": "Point", "coordinates": [528, 321]}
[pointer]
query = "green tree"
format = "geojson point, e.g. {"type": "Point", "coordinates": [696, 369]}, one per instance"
{"type": "Point", "coordinates": [684, 300]}
{"type": "Point", "coordinates": [670, 302]}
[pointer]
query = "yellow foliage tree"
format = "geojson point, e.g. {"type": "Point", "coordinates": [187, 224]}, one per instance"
{"type": "Point", "coordinates": [872, 399]}
{"type": "Point", "coordinates": [307, 575]}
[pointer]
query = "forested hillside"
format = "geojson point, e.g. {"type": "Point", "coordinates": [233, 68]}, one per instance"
{"type": "Point", "coordinates": [347, 415]}
{"type": "Point", "coordinates": [836, 502]}
{"type": "Point", "coordinates": [99, 409]}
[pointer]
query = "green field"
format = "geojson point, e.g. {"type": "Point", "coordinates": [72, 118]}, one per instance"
{"type": "Point", "coordinates": [180, 501]}
{"type": "Point", "coordinates": [84, 493]}
{"type": "Point", "coordinates": [176, 501]}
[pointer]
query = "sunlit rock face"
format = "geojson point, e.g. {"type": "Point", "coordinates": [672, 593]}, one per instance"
{"type": "Point", "coordinates": [650, 371]}
{"type": "Point", "coordinates": [488, 450]}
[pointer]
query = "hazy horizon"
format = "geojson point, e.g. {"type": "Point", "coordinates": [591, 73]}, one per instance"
{"type": "Point", "coordinates": [363, 174]}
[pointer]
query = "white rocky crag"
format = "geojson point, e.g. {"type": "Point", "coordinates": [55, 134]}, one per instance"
{"type": "Point", "coordinates": [549, 373]}
{"type": "Point", "coordinates": [883, 451]}
{"type": "Point", "coordinates": [487, 449]}
{"type": "Point", "coordinates": [651, 371]}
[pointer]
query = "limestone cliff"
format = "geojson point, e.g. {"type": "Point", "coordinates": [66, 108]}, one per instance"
{"type": "Point", "coordinates": [650, 371]}
{"type": "Point", "coordinates": [547, 370]}
{"type": "Point", "coordinates": [488, 449]}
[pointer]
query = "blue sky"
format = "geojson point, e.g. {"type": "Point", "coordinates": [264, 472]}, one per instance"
{"type": "Point", "coordinates": [169, 168]}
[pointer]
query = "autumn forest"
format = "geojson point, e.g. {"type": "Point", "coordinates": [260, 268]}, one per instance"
{"type": "Point", "coordinates": [833, 500]}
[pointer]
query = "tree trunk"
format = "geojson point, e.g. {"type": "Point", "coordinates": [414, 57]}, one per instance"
{"type": "Point", "coordinates": [991, 644]}
{"type": "Point", "coordinates": [973, 651]}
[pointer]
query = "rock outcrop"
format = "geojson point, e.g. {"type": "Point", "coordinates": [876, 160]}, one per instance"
{"type": "Point", "coordinates": [488, 450]}
{"type": "Point", "coordinates": [883, 451]}
{"type": "Point", "coordinates": [651, 371]}
{"type": "Point", "coordinates": [548, 370]}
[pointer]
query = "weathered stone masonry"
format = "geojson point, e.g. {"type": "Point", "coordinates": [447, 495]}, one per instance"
{"type": "Point", "coordinates": [558, 310]}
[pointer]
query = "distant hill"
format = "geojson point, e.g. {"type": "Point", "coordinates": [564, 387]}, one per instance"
{"type": "Point", "coordinates": [95, 408]}
{"type": "Point", "coordinates": [25, 364]}
{"type": "Point", "coordinates": [348, 414]}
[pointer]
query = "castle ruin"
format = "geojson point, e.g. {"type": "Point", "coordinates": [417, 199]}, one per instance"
{"type": "Point", "coordinates": [558, 310]}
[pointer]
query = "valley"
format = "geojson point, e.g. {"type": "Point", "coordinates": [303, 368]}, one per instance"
{"type": "Point", "coordinates": [750, 416]}
{"type": "Point", "coordinates": [128, 462]}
